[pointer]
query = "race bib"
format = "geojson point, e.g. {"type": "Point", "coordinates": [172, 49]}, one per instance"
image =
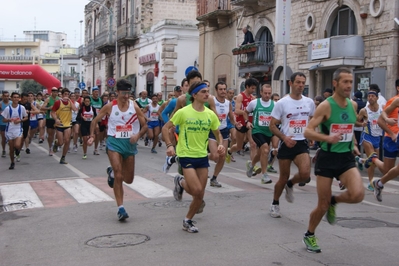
{"type": "Point", "coordinates": [345, 129]}
{"type": "Point", "coordinates": [297, 127]}
{"type": "Point", "coordinates": [88, 117]}
{"type": "Point", "coordinates": [374, 124]}
{"type": "Point", "coordinates": [222, 117]}
{"type": "Point", "coordinates": [264, 119]}
{"type": "Point", "coordinates": [124, 131]}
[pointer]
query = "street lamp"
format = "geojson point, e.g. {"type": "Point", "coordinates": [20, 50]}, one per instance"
{"type": "Point", "coordinates": [62, 63]}
{"type": "Point", "coordinates": [80, 59]}
{"type": "Point", "coordinates": [116, 35]}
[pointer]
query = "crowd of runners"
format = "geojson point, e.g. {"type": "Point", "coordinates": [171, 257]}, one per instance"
{"type": "Point", "coordinates": [196, 127]}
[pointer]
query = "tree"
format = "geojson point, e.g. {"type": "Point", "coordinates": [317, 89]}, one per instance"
{"type": "Point", "coordinates": [31, 85]}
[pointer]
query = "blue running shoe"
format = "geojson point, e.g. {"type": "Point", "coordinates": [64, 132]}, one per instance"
{"type": "Point", "coordinates": [359, 164]}
{"type": "Point", "coordinates": [122, 214]}
{"type": "Point", "coordinates": [110, 178]}
{"type": "Point", "coordinates": [369, 160]}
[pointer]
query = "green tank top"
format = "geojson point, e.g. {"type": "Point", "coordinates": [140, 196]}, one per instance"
{"type": "Point", "coordinates": [96, 103]}
{"type": "Point", "coordinates": [262, 118]}
{"type": "Point", "coordinates": [188, 102]}
{"type": "Point", "coordinates": [342, 120]}
{"type": "Point", "coordinates": [50, 104]}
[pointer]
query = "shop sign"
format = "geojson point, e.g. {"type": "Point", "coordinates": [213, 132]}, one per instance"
{"type": "Point", "coordinates": [320, 49]}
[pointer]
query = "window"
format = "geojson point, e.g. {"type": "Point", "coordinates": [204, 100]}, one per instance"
{"type": "Point", "coordinates": [2, 51]}
{"type": "Point", "coordinates": [2, 85]}
{"type": "Point", "coordinates": [18, 51]}
{"type": "Point", "coordinates": [43, 37]}
{"type": "Point", "coordinates": [72, 70]}
{"type": "Point", "coordinates": [265, 49]}
{"type": "Point", "coordinates": [344, 23]}
{"type": "Point", "coordinates": [27, 52]}
{"type": "Point", "coordinates": [17, 84]}
{"type": "Point", "coordinates": [50, 61]}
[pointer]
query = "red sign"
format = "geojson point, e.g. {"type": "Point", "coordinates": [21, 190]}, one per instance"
{"type": "Point", "coordinates": [147, 59]}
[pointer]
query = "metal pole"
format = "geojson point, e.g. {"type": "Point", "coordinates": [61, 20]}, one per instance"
{"type": "Point", "coordinates": [62, 63]}
{"type": "Point", "coordinates": [284, 71]}
{"type": "Point", "coordinates": [80, 59]}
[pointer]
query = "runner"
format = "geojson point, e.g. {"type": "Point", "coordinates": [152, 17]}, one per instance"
{"type": "Point", "coordinates": [5, 101]}
{"type": "Point", "coordinates": [371, 136]}
{"type": "Point", "coordinates": [75, 123]}
{"type": "Point", "coordinates": [224, 110]}
{"type": "Point", "coordinates": [230, 96]}
{"type": "Point", "coordinates": [125, 119]}
{"type": "Point", "coordinates": [47, 106]}
{"type": "Point", "coordinates": [261, 134]}
{"type": "Point", "coordinates": [62, 115]}
{"type": "Point", "coordinates": [192, 149]}
{"type": "Point", "coordinates": [336, 117]}
{"type": "Point", "coordinates": [293, 113]}
{"type": "Point", "coordinates": [97, 103]}
{"type": "Point", "coordinates": [85, 116]}
{"type": "Point", "coordinates": [154, 128]}
{"type": "Point", "coordinates": [32, 124]}
{"type": "Point", "coordinates": [14, 115]}
{"type": "Point", "coordinates": [40, 116]}
{"type": "Point", "coordinates": [104, 122]}
{"type": "Point", "coordinates": [275, 141]}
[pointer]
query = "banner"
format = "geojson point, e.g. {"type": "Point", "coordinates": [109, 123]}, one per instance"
{"type": "Point", "coordinates": [283, 21]}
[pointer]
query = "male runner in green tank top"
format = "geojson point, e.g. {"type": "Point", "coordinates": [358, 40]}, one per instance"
{"type": "Point", "coordinates": [47, 106]}
{"type": "Point", "coordinates": [336, 117]}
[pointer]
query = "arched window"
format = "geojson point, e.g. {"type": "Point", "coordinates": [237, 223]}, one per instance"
{"type": "Point", "coordinates": [265, 50]}
{"type": "Point", "coordinates": [344, 23]}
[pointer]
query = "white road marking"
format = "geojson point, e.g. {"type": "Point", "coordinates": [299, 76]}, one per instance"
{"type": "Point", "coordinates": [19, 196]}
{"type": "Point", "coordinates": [69, 166]}
{"type": "Point", "coordinates": [83, 192]}
{"type": "Point", "coordinates": [149, 189]}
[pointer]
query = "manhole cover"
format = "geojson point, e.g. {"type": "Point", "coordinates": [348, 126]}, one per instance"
{"type": "Point", "coordinates": [167, 204]}
{"type": "Point", "coordinates": [14, 206]}
{"type": "Point", "coordinates": [117, 240]}
{"type": "Point", "coordinates": [354, 223]}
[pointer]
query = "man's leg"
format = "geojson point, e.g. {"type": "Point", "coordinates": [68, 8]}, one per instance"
{"type": "Point", "coordinates": [11, 144]}
{"type": "Point", "coordinates": [194, 183]}
{"type": "Point", "coordinates": [354, 187]}
{"type": "Point", "coordinates": [50, 139]}
{"type": "Point", "coordinates": [302, 161]}
{"type": "Point", "coordinates": [284, 165]}
{"type": "Point", "coordinates": [218, 159]}
{"type": "Point", "coordinates": [66, 140]}
{"type": "Point", "coordinates": [3, 143]}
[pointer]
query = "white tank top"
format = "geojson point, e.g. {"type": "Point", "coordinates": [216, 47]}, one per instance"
{"type": "Point", "coordinates": [372, 126]}
{"type": "Point", "coordinates": [222, 110]}
{"type": "Point", "coordinates": [123, 124]}
{"type": "Point", "coordinates": [33, 117]}
{"type": "Point", "coordinates": [75, 113]}
{"type": "Point", "coordinates": [88, 115]}
{"type": "Point", "coordinates": [153, 113]}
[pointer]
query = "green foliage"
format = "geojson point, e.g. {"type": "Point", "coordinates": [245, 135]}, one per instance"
{"type": "Point", "coordinates": [31, 85]}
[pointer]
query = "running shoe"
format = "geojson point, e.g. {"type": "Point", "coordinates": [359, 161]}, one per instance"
{"type": "Point", "coordinates": [359, 164]}
{"type": "Point", "coordinates": [122, 214]}
{"type": "Point", "coordinates": [95, 152]}
{"type": "Point", "coordinates": [275, 211]}
{"type": "Point", "coordinates": [228, 157]}
{"type": "Point", "coordinates": [302, 184]}
{"type": "Point", "coordinates": [377, 191]}
{"type": "Point", "coordinates": [12, 166]}
{"type": "Point", "coordinates": [241, 153]}
{"type": "Point", "coordinates": [265, 179]}
{"type": "Point", "coordinates": [341, 186]}
{"type": "Point", "coordinates": [369, 161]}
{"type": "Point", "coordinates": [289, 194]}
{"type": "Point", "coordinates": [256, 171]}
{"type": "Point", "coordinates": [75, 148]}
{"type": "Point", "coordinates": [311, 244]}
{"type": "Point", "coordinates": [50, 152]}
{"type": "Point", "coordinates": [215, 183]}
{"type": "Point", "coordinates": [110, 177]}
{"type": "Point", "coordinates": [55, 147]}
{"type": "Point", "coordinates": [159, 144]}
{"type": "Point", "coordinates": [166, 166]}
{"type": "Point", "coordinates": [250, 168]}
{"type": "Point", "coordinates": [189, 226]}
{"type": "Point", "coordinates": [62, 161]}
{"type": "Point", "coordinates": [153, 151]}
{"type": "Point", "coordinates": [178, 191]}
{"type": "Point", "coordinates": [201, 208]}
{"type": "Point", "coordinates": [232, 158]}
{"type": "Point", "coordinates": [3, 154]}
{"type": "Point", "coordinates": [330, 215]}
{"type": "Point", "coordinates": [270, 169]}
{"type": "Point", "coordinates": [27, 151]}
{"type": "Point", "coordinates": [41, 141]}
{"type": "Point", "coordinates": [101, 147]}
{"type": "Point", "coordinates": [370, 188]}
{"type": "Point", "coordinates": [18, 157]}
{"type": "Point", "coordinates": [84, 156]}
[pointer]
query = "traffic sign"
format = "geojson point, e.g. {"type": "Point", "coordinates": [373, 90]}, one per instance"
{"type": "Point", "coordinates": [82, 85]}
{"type": "Point", "coordinates": [111, 82]}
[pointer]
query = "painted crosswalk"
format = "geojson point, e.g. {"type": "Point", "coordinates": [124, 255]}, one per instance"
{"type": "Point", "coordinates": [58, 193]}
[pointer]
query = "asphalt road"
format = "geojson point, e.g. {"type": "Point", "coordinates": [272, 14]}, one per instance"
{"type": "Point", "coordinates": [63, 225]}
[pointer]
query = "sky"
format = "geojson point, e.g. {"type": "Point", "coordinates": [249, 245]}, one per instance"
{"type": "Point", "coordinates": [53, 15]}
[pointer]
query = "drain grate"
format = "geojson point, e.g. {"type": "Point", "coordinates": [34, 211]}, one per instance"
{"type": "Point", "coordinates": [14, 206]}
{"type": "Point", "coordinates": [117, 240]}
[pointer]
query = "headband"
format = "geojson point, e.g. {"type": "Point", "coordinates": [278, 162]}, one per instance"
{"type": "Point", "coordinates": [198, 88]}
{"type": "Point", "coordinates": [373, 93]}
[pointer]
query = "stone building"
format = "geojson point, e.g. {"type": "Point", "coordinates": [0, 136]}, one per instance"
{"type": "Point", "coordinates": [359, 34]}
{"type": "Point", "coordinates": [149, 42]}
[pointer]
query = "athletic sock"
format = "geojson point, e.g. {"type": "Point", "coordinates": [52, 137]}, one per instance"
{"type": "Point", "coordinates": [289, 183]}
{"type": "Point", "coordinates": [213, 178]}
{"type": "Point", "coordinates": [276, 202]}
{"type": "Point", "coordinates": [17, 152]}
{"type": "Point", "coordinates": [309, 233]}
{"type": "Point", "coordinates": [333, 201]}
{"type": "Point", "coordinates": [120, 207]}
{"type": "Point", "coordinates": [380, 184]}
{"type": "Point", "coordinates": [186, 219]}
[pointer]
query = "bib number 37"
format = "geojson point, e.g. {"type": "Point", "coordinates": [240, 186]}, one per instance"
{"type": "Point", "coordinates": [124, 131]}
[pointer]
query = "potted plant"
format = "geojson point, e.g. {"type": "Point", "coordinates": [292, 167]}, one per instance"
{"type": "Point", "coordinates": [236, 51]}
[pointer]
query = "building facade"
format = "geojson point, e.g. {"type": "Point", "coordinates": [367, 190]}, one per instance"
{"type": "Point", "coordinates": [144, 41]}
{"type": "Point", "coordinates": [324, 35]}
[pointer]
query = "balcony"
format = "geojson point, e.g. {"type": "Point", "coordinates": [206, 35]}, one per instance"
{"type": "Point", "coordinates": [127, 34]}
{"type": "Point", "coordinates": [257, 57]}
{"type": "Point", "coordinates": [105, 42]}
{"type": "Point", "coordinates": [215, 13]}
{"type": "Point", "coordinates": [269, 3]}
{"type": "Point", "coordinates": [18, 58]}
